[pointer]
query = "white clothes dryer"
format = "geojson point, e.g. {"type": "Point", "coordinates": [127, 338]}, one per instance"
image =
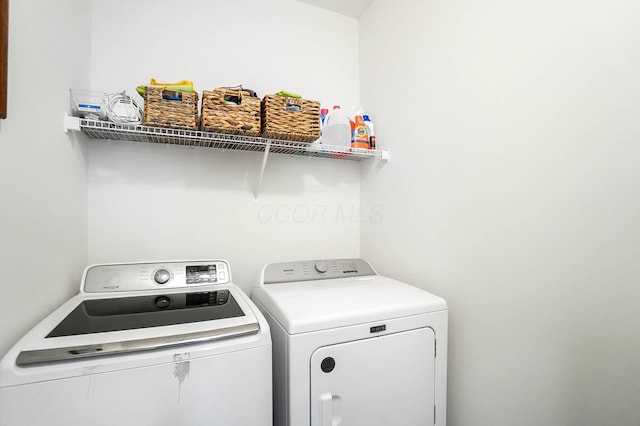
{"type": "Point", "coordinates": [353, 348]}
{"type": "Point", "coordinates": [145, 344]}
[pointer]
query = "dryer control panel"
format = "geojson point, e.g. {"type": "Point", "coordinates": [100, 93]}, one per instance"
{"type": "Point", "coordinates": [316, 270]}
{"type": "Point", "coordinates": [152, 276]}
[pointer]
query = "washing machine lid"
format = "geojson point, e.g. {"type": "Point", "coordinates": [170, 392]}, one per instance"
{"type": "Point", "coordinates": [92, 326]}
{"type": "Point", "coordinates": [135, 307]}
{"type": "Point", "coordinates": [100, 315]}
{"type": "Point", "coordinates": [303, 299]}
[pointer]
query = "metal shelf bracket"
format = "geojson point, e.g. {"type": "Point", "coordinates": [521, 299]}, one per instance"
{"type": "Point", "coordinates": [262, 167]}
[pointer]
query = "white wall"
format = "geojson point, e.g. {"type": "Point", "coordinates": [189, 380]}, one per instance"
{"type": "Point", "coordinates": [513, 192]}
{"type": "Point", "coordinates": [43, 218]}
{"type": "Point", "coordinates": [149, 202]}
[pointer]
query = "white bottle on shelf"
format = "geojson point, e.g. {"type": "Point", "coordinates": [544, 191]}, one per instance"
{"type": "Point", "coordinates": [337, 128]}
{"type": "Point", "coordinates": [370, 132]}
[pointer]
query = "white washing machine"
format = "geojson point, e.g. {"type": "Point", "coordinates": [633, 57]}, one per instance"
{"type": "Point", "coordinates": [353, 348]}
{"type": "Point", "coordinates": [173, 343]}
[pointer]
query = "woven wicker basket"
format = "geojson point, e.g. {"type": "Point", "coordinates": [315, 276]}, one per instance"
{"type": "Point", "coordinates": [216, 115]}
{"type": "Point", "coordinates": [290, 118]}
{"type": "Point", "coordinates": [177, 114]}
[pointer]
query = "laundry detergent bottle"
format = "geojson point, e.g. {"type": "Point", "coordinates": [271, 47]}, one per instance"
{"type": "Point", "coordinates": [359, 133]}
{"type": "Point", "coordinates": [370, 131]}
{"type": "Point", "coordinates": [337, 128]}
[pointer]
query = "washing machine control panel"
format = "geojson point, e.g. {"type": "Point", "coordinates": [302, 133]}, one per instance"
{"type": "Point", "coordinates": [149, 276]}
{"type": "Point", "coordinates": [316, 270]}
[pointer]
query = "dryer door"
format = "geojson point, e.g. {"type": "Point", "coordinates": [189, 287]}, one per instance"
{"type": "Point", "coordinates": [386, 380]}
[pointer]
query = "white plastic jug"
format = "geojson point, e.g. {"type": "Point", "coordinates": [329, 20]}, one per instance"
{"type": "Point", "coordinates": [337, 128]}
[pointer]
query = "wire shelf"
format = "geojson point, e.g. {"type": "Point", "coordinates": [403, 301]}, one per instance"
{"type": "Point", "coordinates": [104, 130]}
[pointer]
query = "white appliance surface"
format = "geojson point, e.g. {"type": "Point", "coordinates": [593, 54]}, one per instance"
{"type": "Point", "coordinates": [372, 376]}
{"type": "Point", "coordinates": [301, 307]}
{"type": "Point", "coordinates": [351, 347]}
{"type": "Point", "coordinates": [144, 344]}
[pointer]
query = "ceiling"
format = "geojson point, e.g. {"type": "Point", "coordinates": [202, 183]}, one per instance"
{"type": "Point", "coordinates": [353, 8]}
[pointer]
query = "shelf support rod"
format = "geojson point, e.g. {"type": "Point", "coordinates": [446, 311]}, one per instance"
{"type": "Point", "coordinates": [267, 147]}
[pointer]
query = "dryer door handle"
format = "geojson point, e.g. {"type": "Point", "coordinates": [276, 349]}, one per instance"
{"type": "Point", "coordinates": [326, 408]}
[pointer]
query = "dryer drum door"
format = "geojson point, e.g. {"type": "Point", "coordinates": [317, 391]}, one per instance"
{"type": "Point", "coordinates": [385, 380]}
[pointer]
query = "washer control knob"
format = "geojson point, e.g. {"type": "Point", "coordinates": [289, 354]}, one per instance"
{"type": "Point", "coordinates": [162, 276]}
{"type": "Point", "coordinates": [321, 267]}
{"type": "Point", "coordinates": [162, 302]}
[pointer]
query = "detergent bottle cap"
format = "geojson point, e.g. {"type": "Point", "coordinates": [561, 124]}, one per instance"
{"type": "Point", "coordinates": [366, 118]}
